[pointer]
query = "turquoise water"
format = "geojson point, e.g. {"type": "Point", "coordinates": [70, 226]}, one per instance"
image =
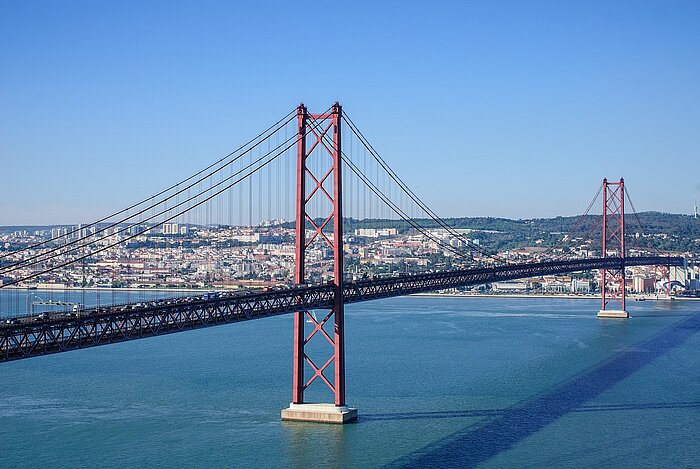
{"type": "Point", "coordinates": [439, 382]}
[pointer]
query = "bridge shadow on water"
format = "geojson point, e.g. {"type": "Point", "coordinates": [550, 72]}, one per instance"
{"type": "Point", "coordinates": [456, 414]}
{"type": "Point", "coordinates": [478, 443]}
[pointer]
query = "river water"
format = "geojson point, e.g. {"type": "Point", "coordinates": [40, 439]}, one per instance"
{"type": "Point", "coordinates": [439, 382]}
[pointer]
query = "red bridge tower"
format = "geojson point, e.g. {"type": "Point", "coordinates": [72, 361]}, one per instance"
{"type": "Point", "coordinates": [319, 197]}
{"type": "Point", "coordinates": [612, 283]}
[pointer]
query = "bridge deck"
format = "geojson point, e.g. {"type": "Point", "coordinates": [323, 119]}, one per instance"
{"type": "Point", "coordinates": [29, 336]}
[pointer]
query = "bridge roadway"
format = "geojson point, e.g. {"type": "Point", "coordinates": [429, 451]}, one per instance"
{"type": "Point", "coordinates": [29, 336]}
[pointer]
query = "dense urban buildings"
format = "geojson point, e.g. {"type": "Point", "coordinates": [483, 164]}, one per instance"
{"type": "Point", "coordinates": [175, 255]}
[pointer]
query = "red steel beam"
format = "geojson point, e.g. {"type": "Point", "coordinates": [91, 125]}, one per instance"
{"type": "Point", "coordinates": [298, 367]}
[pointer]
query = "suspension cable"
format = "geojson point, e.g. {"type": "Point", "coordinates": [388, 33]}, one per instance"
{"type": "Point", "coordinates": [639, 223]}
{"type": "Point", "coordinates": [379, 193]}
{"type": "Point", "coordinates": [275, 126]}
{"type": "Point", "coordinates": [398, 210]}
{"type": "Point", "coordinates": [404, 187]}
{"type": "Point", "coordinates": [188, 209]}
{"type": "Point", "coordinates": [590, 230]}
{"type": "Point", "coordinates": [26, 262]}
{"type": "Point", "coordinates": [51, 269]}
{"type": "Point", "coordinates": [325, 139]}
{"type": "Point", "coordinates": [578, 223]}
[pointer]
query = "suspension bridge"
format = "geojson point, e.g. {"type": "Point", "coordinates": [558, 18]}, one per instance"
{"type": "Point", "coordinates": [298, 169]}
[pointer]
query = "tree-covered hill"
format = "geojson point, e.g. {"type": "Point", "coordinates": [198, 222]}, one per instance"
{"type": "Point", "coordinates": [646, 230]}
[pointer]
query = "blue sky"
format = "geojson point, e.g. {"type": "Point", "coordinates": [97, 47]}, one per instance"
{"type": "Point", "coordinates": [512, 109]}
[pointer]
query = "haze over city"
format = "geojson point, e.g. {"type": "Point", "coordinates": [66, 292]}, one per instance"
{"type": "Point", "coordinates": [504, 109]}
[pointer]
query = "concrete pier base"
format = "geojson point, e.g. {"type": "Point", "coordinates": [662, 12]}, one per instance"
{"type": "Point", "coordinates": [613, 313]}
{"type": "Point", "coordinates": [321, 413]}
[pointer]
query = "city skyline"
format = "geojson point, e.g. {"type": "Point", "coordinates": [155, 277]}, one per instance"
{"type": "Point", "coordinates": [520, 109]}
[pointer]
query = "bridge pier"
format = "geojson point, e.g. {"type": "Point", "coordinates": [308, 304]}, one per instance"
{"type": "Point", "coordinates": [613, 313]}
{"type": "Point", "coordinates": [319, 413]}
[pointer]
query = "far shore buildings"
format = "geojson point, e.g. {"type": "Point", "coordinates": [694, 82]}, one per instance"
{"type": "Point", "coordinates": [203, 256]}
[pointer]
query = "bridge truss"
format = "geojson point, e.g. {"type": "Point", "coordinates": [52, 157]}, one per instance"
{"type": "Point", "coordinates": [32, 336]}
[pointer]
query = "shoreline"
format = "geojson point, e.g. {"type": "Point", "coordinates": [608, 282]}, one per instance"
{"type": "Point", "coordinates": [560, 296]}
{"type": "Point", "coordinates": [631, 297]}
{"type": "Point", "coordinates": [101, 289]}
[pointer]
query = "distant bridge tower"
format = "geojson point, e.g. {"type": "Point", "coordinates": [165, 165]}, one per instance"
{"type": "Point", "coordinates": [319, 184]}
{"type": "Point", "coordinates": [612, 283]}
